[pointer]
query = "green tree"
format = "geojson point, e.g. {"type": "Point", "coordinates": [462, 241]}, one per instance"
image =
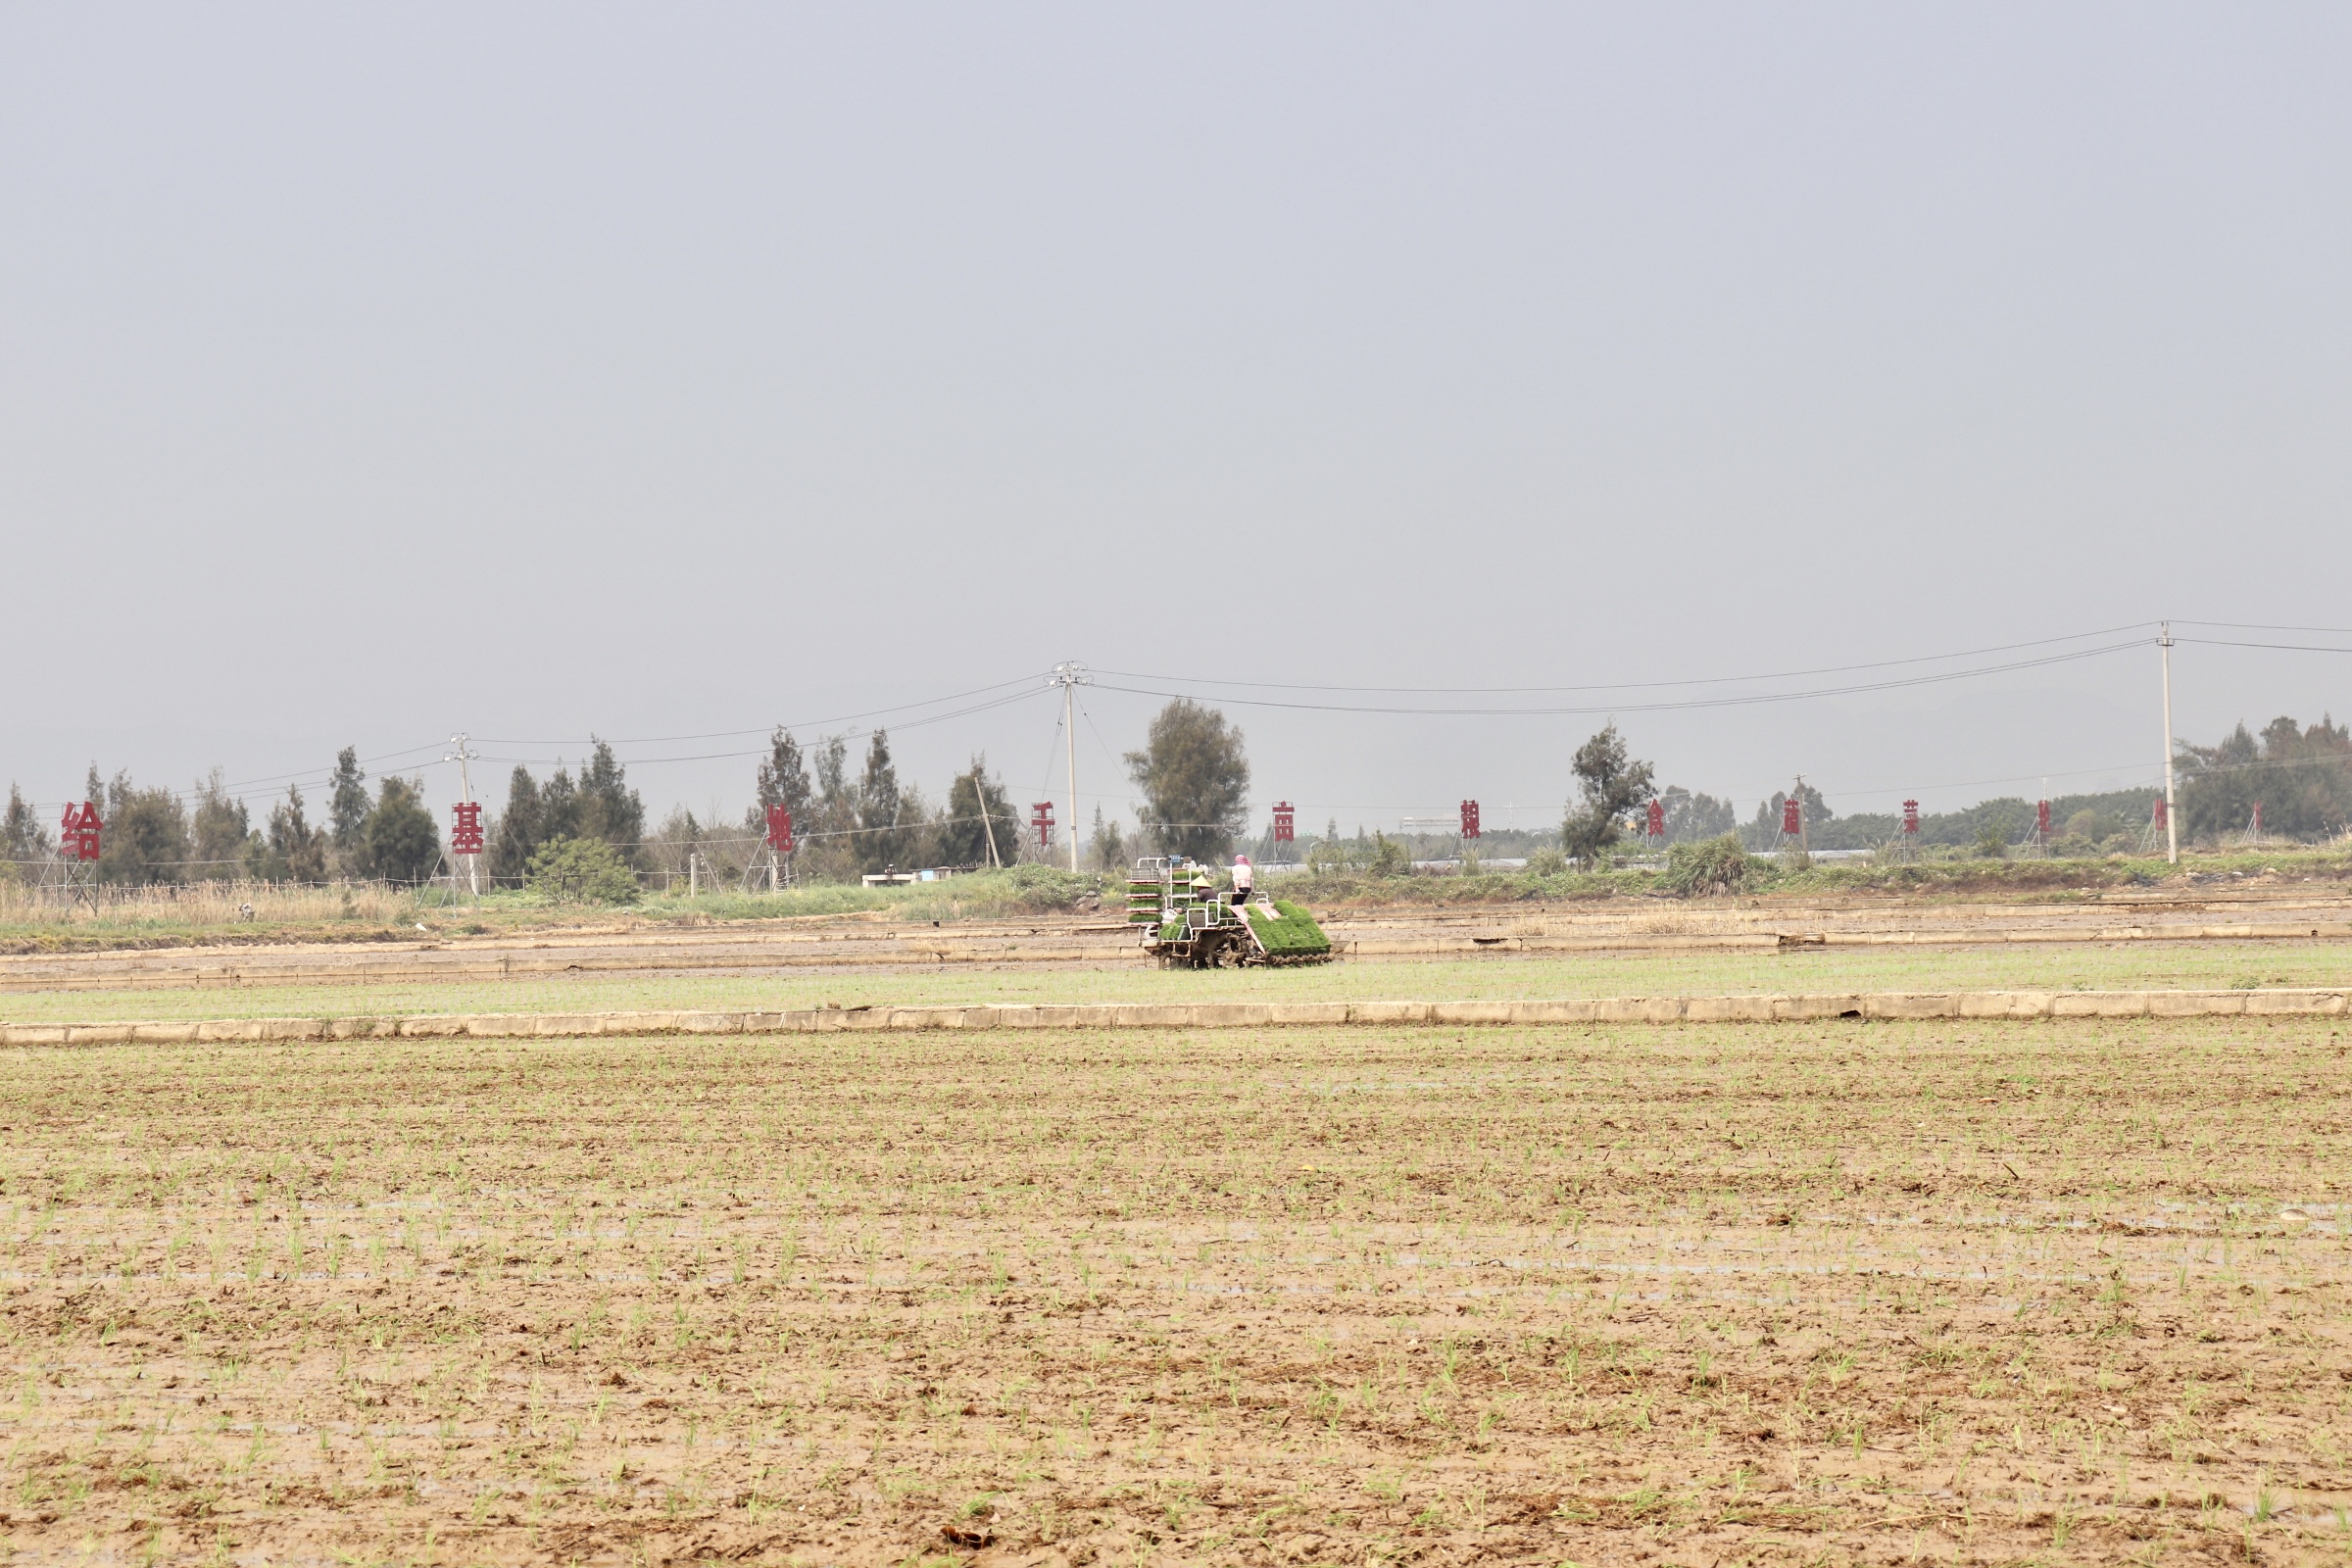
{"type": "Point", "coordinates": [609, 808]}
{"type": "Point", "coordinates": [1610, 784]}
{"type": "Point", "coordinates": [829, 840]}
{"type": "Point", "coordinates": [402, 843]}
{"type": "Point", "coordinates": [582, 870]}
{"type": "Point", "coordinates": [881, 808]}
{"type": "Point", "coordinates": [297, 850]}
{"type": "Point", "coordinates": [347, 809]}
{"type": "Point", "coordinates": [559, 806]}
{"type": "Point", "coordinates": [835, 791]}
{"type": "Point", "coordinates": [671, 849]}
{"type": "Point", "coordinates": [1691, 817]}
{"type": "Point", "coordinates": [217, 831]}
{"type": "Point", "coordinates": [519, 831]}
{"type": "Point", "coordinates": [1195, 779]}
{"type": "Point", "coordinates": [22, 838]}
{"type": "Point", "coordinates": [783, 781]}
{"type": "Point", "coordinates": [145, 837]}
{"type": "Point", "coordinates": [1110, 843]}
{"type": "Point", "coordinates": [2302, 778]}
{"type": "Point", "coordinates": [1765, 831]}
{"type": "Point", "coordinates": [968, 838]}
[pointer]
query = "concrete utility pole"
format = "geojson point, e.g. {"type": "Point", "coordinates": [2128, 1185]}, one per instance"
{"type": "Point", "coordinates": [460, 756]}
{"type": "Point", "coordinates": [1069, 677]}
{"type": "Point", "coordinates": [2172, 807]}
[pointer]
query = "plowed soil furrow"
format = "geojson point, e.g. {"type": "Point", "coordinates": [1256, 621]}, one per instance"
{"type": "Point", "coordinates": [1877, 1292]}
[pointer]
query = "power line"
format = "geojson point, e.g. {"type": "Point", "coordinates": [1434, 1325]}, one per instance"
{"type": "Point", "coordinates": [813, 723]}
{"type": "Point", "coordinates": [1646, 685]}
{"type": "Point", "coordinates": [1735, 700]}
{"type": "Point", "coordinates": [2290, 648]}
{"type": "Point", "coordinates": [711, 756]}
{"type": "Point", "coordinates": [2255, 625]}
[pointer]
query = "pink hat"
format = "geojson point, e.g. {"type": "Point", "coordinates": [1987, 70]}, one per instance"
{"type": "Point", "coordinates": [1241, 860]}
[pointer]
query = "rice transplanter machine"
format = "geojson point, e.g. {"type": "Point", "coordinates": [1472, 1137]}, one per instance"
{"type": "Point", "coordinates": [1188, 922]}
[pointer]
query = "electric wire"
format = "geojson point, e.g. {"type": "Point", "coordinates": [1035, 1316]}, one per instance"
{"type": "Point", "coordinates": [2290, 648]}
{"type": "Point", "coordinates": [2256, 625]}
{"type": "Point", "coordinates": [711, 756]}
{"type": "Point", "coordinates": [813, 723]}
{"type": "Point", "coordinates": [1646, 685]}
{"type": "Point", "coordinates": [1687, 703]}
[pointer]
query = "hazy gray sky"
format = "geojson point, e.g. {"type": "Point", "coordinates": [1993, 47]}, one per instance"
{"type": "Point", "coordinates": [373, 373]}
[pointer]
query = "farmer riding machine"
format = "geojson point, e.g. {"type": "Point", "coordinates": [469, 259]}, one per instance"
{"type": "Point", "coordinates": [1189, 924]}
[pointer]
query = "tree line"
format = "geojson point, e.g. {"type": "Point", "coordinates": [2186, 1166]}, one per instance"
{"type": "Point", "coordinates": [152, 834]}
{"type": "Point", "coordinates": [847, 820]}
{"type": "Point", "coordinates": [1192, 776]}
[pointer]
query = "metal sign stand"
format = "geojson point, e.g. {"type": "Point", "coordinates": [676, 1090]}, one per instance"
{"type": "Point", "coordinates": [465, 834]}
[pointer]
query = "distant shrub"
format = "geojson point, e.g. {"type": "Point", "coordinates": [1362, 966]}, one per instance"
{"type": "Point", "coordinates": [581, 871]}
{"type": "Point", "coordinates": [1389, 858]}
{"type": "Point", "coordinates": [1710, 867]}
{"type": "Point", "coordinates": [2093, 824]}
{"type": "Point", "coordinates": [1547, 863]}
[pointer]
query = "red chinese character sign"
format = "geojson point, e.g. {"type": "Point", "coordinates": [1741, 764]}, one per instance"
{"type": "Point", "coordinates": [1792, 817]}
{"type": "Point", "coordinates": [1284, 817]}
{"type": "Point", "coordinates": [2159, 819]}
{"type": "Point", "coordinates": [1041, 817]}
{"type": "Point", "coordinates": [80, 840]}
{"type": "Point", "coordinates": [2041, 818]}
{"type": "Point", "coordinates": [1469, 820]}
{"type": "Point", "coordinates": [465, 832]}
{"type": "Point", "coordinates": [1657, 819]}
{"type": "Point", "coordinates": [780, 829]}
{"type": "Point", "coordinates": [1911, 817]}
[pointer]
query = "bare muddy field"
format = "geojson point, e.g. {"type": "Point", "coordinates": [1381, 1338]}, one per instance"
{"type": "Point", "coordinates": [1787, 1293]}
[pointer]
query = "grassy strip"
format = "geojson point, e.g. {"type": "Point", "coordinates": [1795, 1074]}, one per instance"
{"type": "Point", "coordinates": [2071, 966]}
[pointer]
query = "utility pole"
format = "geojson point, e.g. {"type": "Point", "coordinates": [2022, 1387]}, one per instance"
{"type": "Point", "coordinates": [1069, 677]}
{"type": "Point", "coordinates": [460, 756]}
{"type": "Point", "coordinates": [2172, 807]}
